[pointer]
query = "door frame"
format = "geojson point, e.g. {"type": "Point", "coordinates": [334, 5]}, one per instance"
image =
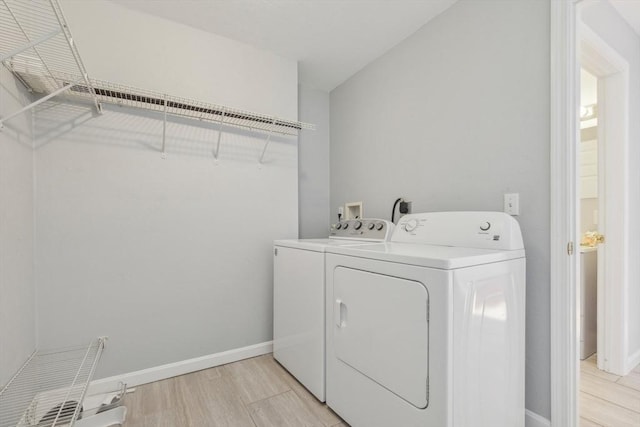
{"type": "Point", "coordinates": [564, 274]}
{"type": "Point", "coordinates": [564, 101]}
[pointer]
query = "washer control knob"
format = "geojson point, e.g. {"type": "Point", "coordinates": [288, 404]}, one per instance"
{"type": "Point", "coordinates": [371, 226]}
{"type": "Point", "coordinates": [345, 225]}
{"type": "Point", "coordinates": [485, 226]}
{"type": "Point", "coordinates": [338, 226]}
{"type": "Point", "coordinates": [379, 226]}
{"type": "Point", "coordinates": [411, 225]}
{"type": "Point", "coordinates": [357, 225]}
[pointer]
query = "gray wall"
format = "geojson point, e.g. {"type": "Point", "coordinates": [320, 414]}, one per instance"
{"type": "Point", "coordinates": [602, 18]}
{"type": "Point", "coordinates": [451, 119]}
{"type": "Point", "coordinates": [17, 291]}
{"type": "Point", "coordinates": [313, 160]}
{"type": "Point", "coordinates": [171, 258]}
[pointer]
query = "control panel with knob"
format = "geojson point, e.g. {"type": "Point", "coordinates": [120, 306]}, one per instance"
{"type": "Point", "coordinates": [468, 229]}
{"type": "Point", "coordinates": [374, 229]}
{"type": "Point", "coordinates": [410, 225]}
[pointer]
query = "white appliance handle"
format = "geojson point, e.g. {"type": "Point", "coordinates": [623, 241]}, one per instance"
{"type": "Point", "coordinates": [339, 313]}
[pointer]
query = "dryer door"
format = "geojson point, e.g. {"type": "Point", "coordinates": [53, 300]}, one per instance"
{"type": "Point", "coordinates": [381, 329]}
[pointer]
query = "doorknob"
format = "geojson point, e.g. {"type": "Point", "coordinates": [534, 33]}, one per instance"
{"type": "Point", "coordinates": [592, 238]}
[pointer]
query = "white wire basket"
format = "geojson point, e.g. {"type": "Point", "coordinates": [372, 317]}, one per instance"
{"type": "Point", "coordinates": [49, 389]}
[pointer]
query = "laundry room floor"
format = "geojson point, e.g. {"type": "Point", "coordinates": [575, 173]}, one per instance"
{"type": "Point", "coordinates": [607, 399]}
{"type": "Point", "coordinates": [255, 392]}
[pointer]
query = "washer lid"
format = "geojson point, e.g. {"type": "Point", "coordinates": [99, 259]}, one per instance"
{"type": "Point", "coordinates": [434, 256]}
{"type": "Point", "coordinates": [319, 245]}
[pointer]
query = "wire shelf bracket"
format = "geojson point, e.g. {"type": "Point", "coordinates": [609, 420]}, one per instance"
{"type": "Point", "coordinates": [266, 143]}
{"type": "Point", "coordinates": [216, 152]}
{"type": "Point", "coordinates": [164, 128]}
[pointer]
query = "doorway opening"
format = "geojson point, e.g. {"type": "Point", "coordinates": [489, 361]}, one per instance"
{"type": "Point", "coordinates": [602, 220]}
{"type": "Point", "coordinates": [602, 206]}
{"type": "Point", "coordinates": [573, 46]}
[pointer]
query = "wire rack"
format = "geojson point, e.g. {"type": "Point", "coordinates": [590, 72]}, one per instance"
{"type": "Point", "coordinates": [129, 96]}
{"type": "Point", "coordinates": [37, 46]}
{"type": "Point", "coordinates": [49, 388]}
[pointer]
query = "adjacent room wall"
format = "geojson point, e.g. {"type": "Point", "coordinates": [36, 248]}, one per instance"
{"type": "Point", "coordinates": [451, 119]}
{"type": "Point", "coordinates": [169, 257]}
{"type": "Point", "coordinates": [17, 291]}
{"type": "Point", "coordinates": [313, 157]}
{"type": "Point", "coordinates": [602, 18]}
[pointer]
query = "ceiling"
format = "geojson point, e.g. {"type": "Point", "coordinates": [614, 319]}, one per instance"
{"type": "Point", "coordinates": [330, 39]}
{"type": "Point", "coordinates": [630, 11]}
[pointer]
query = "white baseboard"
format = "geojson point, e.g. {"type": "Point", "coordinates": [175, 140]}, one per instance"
{"type": "Point", "coordinates": [633, 361]}
{"type": "Point", "coordinates": [534, 420]}
{"type": "Point", "coordinates": [162, 372]}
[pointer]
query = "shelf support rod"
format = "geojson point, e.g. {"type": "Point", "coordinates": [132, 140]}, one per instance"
{"type": "Point", "coordinates": [57, 10]}
{"type": "Point", "coordinates": [217, 150]}
{"type": "Point", "coordinates": [266, 144]}
{"type": "Point", "coordinates": [36, 103]}
{"type": "Point", "coordinates": [164, 125]}
{"type": "Point", "coordinates": [30, 45]}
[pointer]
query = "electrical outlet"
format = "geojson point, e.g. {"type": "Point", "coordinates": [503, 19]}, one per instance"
{"type": "Point", "coordinates": [512, 203]}
{"type": "Point", "coordinates": [340, 210]}
{"type": "Point", "coordinates": [405, 207]}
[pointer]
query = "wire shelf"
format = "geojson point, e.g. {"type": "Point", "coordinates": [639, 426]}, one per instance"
{"type": "Point", "coordinates": [129, 96]}
{"type": "Point", "coordinates": [49, 388]}
{"type": "Point", "coordinates": [37, 46]}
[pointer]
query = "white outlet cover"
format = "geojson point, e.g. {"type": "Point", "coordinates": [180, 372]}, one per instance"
{"type": "Point", "coordinates": [512, 203]}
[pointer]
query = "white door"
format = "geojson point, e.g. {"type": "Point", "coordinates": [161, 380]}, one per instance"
{"type": "Point", "coordinates": [382, 331]}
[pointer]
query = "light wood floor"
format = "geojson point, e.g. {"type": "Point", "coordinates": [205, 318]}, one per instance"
{"type": "Point", "coordinates": [258, 392]}
{"type": "Point", "coordinates": [254, 392]}
{"type": "Point", "coordinates": [608, 400]}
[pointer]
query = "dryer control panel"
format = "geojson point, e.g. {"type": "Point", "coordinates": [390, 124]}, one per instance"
{"type": "Point", "coordinates": [482, 230]}
{"type": "Point", "coordinates": [374, 229]}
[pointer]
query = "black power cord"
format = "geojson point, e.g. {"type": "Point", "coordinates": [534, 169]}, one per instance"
{"type": "Point", "coordinates": [393, 210]}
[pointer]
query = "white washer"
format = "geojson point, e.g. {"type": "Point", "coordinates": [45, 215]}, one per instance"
{"type": "Point", "coordinates": [298, 297]}
{"type": "Point", "coordinates": [429, 328]}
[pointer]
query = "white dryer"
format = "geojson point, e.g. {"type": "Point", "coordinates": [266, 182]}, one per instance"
{"type": "Point", "coordinates": [429, 328]}
{"type": "Point", "coordinates": [298, 297]}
